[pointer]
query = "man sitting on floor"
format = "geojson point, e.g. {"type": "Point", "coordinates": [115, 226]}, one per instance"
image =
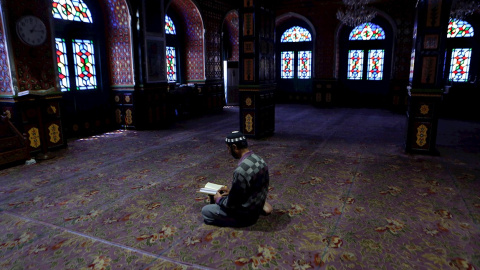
{"type": "Point", "coordinates": [241, 205]}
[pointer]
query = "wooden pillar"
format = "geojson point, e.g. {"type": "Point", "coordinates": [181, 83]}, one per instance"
{"type": "Point", "coordinates": [425, 90]}
{"type": "Point", "coordinates": [257, 70]}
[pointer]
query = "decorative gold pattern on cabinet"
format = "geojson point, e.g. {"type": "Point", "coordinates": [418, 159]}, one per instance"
{"type": "Point", "coordinates": [127, 99]}
{"type": "Point", "coordinates": [54, 133]}
{"type": "Point", "coordinates": [34, 137]}
{"type": "Point", "coordinates": [424, 109]}
{"type": "Point", "coordinates": [117, 98]}
{"type": "Point", "coordinates": [128, 117]}
{"type": "Point", "coordinates": [328, 97]}
{"type": "Point", "coordinates": [248, 101]}
{"type": "Point", "coordinates": [51, 109]}
{"type": "Point", "coordinates": [118, 116]}
{"type": "Point", "coordinates": [422, 135]}
{"type": "Point", "coordinates": [248, 123]}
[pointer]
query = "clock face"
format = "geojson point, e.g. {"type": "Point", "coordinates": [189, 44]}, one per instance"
{"type": "Point", "coordinates": [31, 30]}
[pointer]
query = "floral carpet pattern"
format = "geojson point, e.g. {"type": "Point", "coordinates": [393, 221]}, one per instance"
{"type": "Point", "coordinates": [345, 196]}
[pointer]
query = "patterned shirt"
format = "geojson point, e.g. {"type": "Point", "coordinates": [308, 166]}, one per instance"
{"type": "Point", "coordinates": [249, 187]}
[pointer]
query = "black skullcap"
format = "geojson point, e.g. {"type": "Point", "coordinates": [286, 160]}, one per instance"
{"type": "Point", "coordinates": [234, 137]}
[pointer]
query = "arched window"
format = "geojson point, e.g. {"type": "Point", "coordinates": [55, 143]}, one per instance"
{"type": "Point", "coordinates": [375, 56]}
{"type": "Point", "coordinates": [299, 60]}
{"type": "Point", "coordinates": [171, 54]}
{"type": "Point", "coordinates": [459, 50]}
{"type": "Point", "coordinates": [75, 51]}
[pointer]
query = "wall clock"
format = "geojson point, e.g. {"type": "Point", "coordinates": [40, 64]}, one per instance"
{"type": "Point", "coordinates": [31, 30]}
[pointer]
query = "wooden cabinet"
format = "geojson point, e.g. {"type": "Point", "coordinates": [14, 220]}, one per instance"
{"type": "Point", "coordinates": [422, 120]}
{"type": "Point", "coordinates": [40, 119]}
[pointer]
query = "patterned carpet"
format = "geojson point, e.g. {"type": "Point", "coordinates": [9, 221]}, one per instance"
{"type": "Point", "coordinates": [346, 196]}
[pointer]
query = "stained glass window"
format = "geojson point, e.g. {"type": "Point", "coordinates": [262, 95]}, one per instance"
{"type": "Point", "coordinates": [460, 64]}
{"type": "Point", "coordinates": [84, 64]}
{"type": "Point", "coordinates": [169, 26]}
{"type": "Point", "coordinates": [304, 64]}
{"type": "Point", "coordinates": [296, 34]}
{"type": "Point", "coordinates": [287, 64]}
{"type": "Point", "coordinates": [375, 65]}
{"type": "Point", "coordinates": [458, 28]}
{"type": "Point", "coordinates": [71, 10]}
{"type": "Point", "coordinates": [367, 31]}
{"type": "Point", "coordinates": [171, 64]}
{"type": "Point", "coordinates": [355, 65]}
{"type": "Point", "coordinates": [62, 64]}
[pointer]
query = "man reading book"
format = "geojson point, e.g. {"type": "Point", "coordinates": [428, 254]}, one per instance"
{"type": "Point", "coordinates": [245, 201]}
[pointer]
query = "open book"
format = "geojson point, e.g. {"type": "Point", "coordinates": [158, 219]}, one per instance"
{"type": "Point", "coordinates": [210, 188]}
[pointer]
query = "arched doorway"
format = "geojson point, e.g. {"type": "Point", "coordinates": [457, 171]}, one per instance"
{"type": "Point", "coordinates": [192, 52]}
{"type": "Point", "coordinates": [230, 56]}
{"type": "Point", "coordinates": [82, 73]}
{"type": "Point", "coordinates": [365, 62]}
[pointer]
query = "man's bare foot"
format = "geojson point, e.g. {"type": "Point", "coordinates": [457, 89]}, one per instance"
{"type": "Point", "coordinates": [267, 209]}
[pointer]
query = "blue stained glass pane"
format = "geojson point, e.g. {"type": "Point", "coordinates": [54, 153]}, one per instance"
{"type": "Point", "coordinates": [460, 64]}
{"type": "Point", "coordinates": [304, 64]}
{"type": "Point", "coordinates": [458, 28]}
{"type": "Point", "coordinates": [71, 10]}
{"type": "Point", "coordinates": [296, 34]}
{"type": "Point", "coordinates": [375, 65]}
{"type": "Point", "coordinates": [171, 64]}
{"type": "Point", "coordinates": [367, 31]}
{"type": "Point", "coordinates": [287, 58]}
{"type": "Point", "coordinates": [169, 26]}
{"type": "Point", "coordinates": [62, 64]}
{"type": "Point", "coordinates": [355, 65]}
{"type": "Point", "coordinates": [84, 59]}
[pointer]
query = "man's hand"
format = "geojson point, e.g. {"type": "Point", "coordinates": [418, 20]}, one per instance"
{"type": "Point", "coordinates": [222, 192]}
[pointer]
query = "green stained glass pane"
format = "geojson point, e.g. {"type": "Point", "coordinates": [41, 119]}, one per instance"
{"type": "Point", "coordinates": [460, 64]}
{"type": "Point", "coordinates": [171, 64]}
{"type": "Point", "coordinates": [85, 73]}
{"type": "Point", "coordinates": [355, 65]}
{"type": "Point", "coordinates": [304, 64]}
{"type": "Point", "coordinates": [62, 64]}
{"type": "Point", "coordinates": [375, 65]}
{"type": "Point", "coordinates": [287, 58]}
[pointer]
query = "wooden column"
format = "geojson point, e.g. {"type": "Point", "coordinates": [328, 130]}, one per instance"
{"type": "Point", "coordinates": [257, 70]}
{"type": "Point", "coordinates": [425, 90]}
